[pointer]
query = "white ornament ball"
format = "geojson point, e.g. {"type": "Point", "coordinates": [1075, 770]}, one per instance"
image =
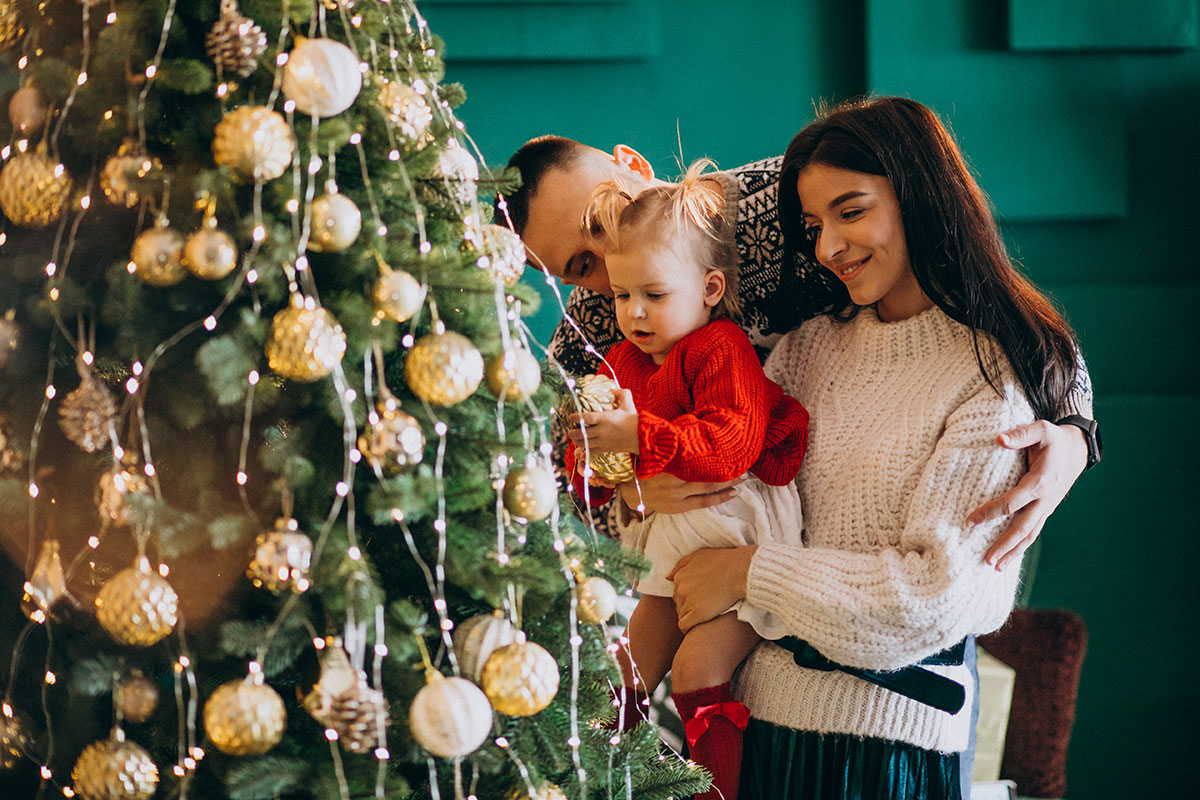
{"type": "Point", "coordinates": [322, 76]}
{"type": "Point", "coordinates": [450, 717]}
{"type": "Point", "coordinates": [336, 222]}
{"type": "Point", "coordinates": [477, 638]}
{"type": "Point", "coordinates": [459, 170]}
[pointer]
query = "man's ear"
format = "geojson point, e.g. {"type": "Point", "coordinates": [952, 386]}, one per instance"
{"type": "Point", "coordinates": [714, 287]}
{"type": "Point", "coordinates": [626, 156]}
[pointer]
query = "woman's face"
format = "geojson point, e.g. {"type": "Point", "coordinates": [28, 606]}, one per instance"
{"type": "Point", "coordinates": [854, 219]}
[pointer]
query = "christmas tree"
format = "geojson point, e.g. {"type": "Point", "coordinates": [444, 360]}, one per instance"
{"type": "Point", "coordinates": [276, 486]}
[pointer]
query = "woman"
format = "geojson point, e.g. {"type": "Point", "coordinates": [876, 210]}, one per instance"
{"type": "Point", "coordinates": [939, 344]}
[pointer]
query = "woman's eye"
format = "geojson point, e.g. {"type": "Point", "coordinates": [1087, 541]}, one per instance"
{"type": "Point", "coordinates": [851, 213]}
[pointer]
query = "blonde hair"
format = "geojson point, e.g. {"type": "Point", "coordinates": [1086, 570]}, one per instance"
{"type": "Point", "coordinates": [690, 214]}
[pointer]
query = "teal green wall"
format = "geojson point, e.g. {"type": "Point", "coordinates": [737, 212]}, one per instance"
{"type": "Point", "coordinates": [1083, 120]}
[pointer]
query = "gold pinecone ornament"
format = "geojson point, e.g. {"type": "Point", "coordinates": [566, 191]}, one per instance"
{"type": "Point", "coordinates": [345, 703]}
{"type": "Point", "coordinates": [444, 368]}
{"type": "Point", "coordinates": [15, 737]}
{"type": "Point", "coordinates": [115, 769]}
{"type": "Point", "coordinates": [450, 717]}
{"type": "Point", "coordinates": [129, 174]}
{"type": "Point", "coordinates": [520, 679]}
{"type": "Point", "coordinates": [88, 414]}
{"type": "Point", "coordinates": [11, 27]}
{"type": "Point", "coordinates": [244, 718]}
{"type": "Point", "coordinates": [235, 43]}
{"type": "Point", "coordinates": [136, 697]}
{"type": "Point", "coordinates": [477, 638]}
{"type": "Point", "coordinates": [393, 440]}
{"type": "Point", "coordinates": [137, 606]}
{"type": "Point", "coordinates": [530, 493]}
{"type": "Point", "coordinates": [254, 143]}
{"type": "Point", "coordinates": [34, 189]}
{"type": "Point", "coordinates": [397, 295]}
{"type": "Point", "coordinates": [599, 393]}
{"type": "Point", "coordinates": [513, 375]}
{"type": "Point", "coordinates": [306, 341]}
{"type": "Point", "coordinates": [282, 558]}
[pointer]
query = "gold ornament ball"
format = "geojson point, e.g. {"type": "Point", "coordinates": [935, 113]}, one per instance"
{"type": "Point", "coordinates": [520, 679]}
{"type": "Point", "coordinates": [502, 253]}
{"type": "Point", "coordinates": [243, 718]}
{"type": "Point", "coordinates": [477, 638]}
{"type": "Point", "coordinates": [393, 441]}
{"type": "Point", "coordinates": [597, 600]}
{"type": "Point", "coordinates": [336, 222]}
{"type": "Point", "coordinates": [157, 256]}
{"type": "Point", "coordinates": [407, 110]}
{"type": "Point", "coordinates": [15, 738]}
{"type": "Point", "coordinates": [450, 717]}
{"type": "Point", "coordinates": [444, 368]}
{"type": "Point", "coordinates": [306, 343]}
{"type": "Point", "coordinates": [514, 374]}
{"type": "Point", "coordinates": [282, 558]}
{"type": "Point", "coordinates": [27, 110]}
{"type": "Point", "coordinates": [137, 606]}
{"type": "Point", "coordinates": [11, 26]}
{"type": "Point", "coordinates": [129, 174]}
{"type": "Point", "coordinates": [34, 190]}
{"type": "Point", "coordinates": [137, 697]}
{"type": "Point", "coordinates": [322, 76]}
{"type": "Point", "coordinates": [530, 493]}
{"type": "Point", "coordinates": [210, 253]}
{"type": "Point", "coordinates": [398, 295]}
{"type": "Point", "coordinates": [115, 769]}
{"type": "Point", "coordinates": [254, 142]}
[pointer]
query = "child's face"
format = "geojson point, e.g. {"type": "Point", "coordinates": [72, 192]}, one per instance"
{"type": "Point", "coordinates": [661, 296]}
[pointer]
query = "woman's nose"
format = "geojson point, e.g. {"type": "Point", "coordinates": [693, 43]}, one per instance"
{"type": "Point", "coordinates": [829, 244]}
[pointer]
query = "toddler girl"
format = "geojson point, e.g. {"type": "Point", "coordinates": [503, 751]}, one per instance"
{"type": "Point", "coordinates": [695, 404]}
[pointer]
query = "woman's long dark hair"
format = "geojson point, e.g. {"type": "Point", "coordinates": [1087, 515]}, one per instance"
{"type": "Point", "coordinates": [954, 244]}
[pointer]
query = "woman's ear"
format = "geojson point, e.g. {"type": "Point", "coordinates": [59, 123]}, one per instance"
{"type": "Point", "coordinates": [627, 157]}
{"type": "Point", "coordinates": [714, 287]}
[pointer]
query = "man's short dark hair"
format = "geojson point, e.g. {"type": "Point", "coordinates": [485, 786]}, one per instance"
{"type": "Point", "coordinates": [535, 158]}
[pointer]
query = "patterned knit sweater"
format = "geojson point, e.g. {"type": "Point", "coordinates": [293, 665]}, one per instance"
{"type": "Point", "coordinates": [901, 448]}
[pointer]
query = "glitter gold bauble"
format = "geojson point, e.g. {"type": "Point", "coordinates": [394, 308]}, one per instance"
{"type": "Point", "coordinates": [306, 342]}
{"type": "Point", "coordinates": [244, 718]}
{"type": "Point", "coordinates": [254, 142]}
{"type": "Point", "coordinates": [460, 172]}
{"type": "Point", "coordinates": [514, 374]}
{"type": "Point", "coordinates": [235, 43]}
{"type": "Point", "coordinates": [477, 638]}
{"type": "Point", "coordinates": [345, 703]}
{"type": "Point", "coordinates": [397, 295]}
{"type": "Point", "coordinates": [597, 600]}
{"type": "Point", "coordinates": [88, 414]}
{"type": "Point", "coordinates": [520, 679]}
{"type": "Point", "coordinates": [114, 769]}
{"type": "Point", "coordinates": [443, 368]}
{"type": "Point", "coordinates": [282, 558]}
{"type": "Point", "coordinates": [157, 256]}
{"type": "Point", "coordinates": [15, 737]}
{"type": "Point", "coordinates": [27, 110]}
{"type": "Point", "coordinates": [11, 26]}
{"type": "Point", "coordinates": [450, 717]}
{"type": "Point", "coordinates": [336, 222]}
{"type": "Point", "coordinates": [407, 110]}
{"type": "Point", "coordinates": [210, 253]}
{"type": "Point", "coordinates": [34, 189]}
{"type": "Point", "coordinates": [136, 697]}
{"type": "Point", "coordinates": [137, 606]}
{"type": "Point", "coordinates": [393, 439]}
{"type": "Point", "coordinates": [599, 393]}
{"type": "Point", "coordinates": [501, 252]}
{"type": "Point", "coordinates": [116, 486]}
{"type": "Point", "coordinates": [530, 493]}
{"type": "Point", "coordinates": [47, 585]}
{"type": "Point", "coordinates": [130, 174]}
{"type": "Point", "coordinates": [322, 76]}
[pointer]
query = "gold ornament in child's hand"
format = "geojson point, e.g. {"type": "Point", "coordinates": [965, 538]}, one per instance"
{"type": "Point", "coordinates": [600, 393]}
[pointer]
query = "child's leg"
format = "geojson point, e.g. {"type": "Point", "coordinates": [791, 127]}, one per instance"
{"type": "Point", "coordinates": [713, 720]}
{"type": "Point", "coordinates": [654, 636]}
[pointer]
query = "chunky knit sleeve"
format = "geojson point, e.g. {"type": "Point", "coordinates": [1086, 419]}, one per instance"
{"type": "Point", "coordinates": [893, 606]}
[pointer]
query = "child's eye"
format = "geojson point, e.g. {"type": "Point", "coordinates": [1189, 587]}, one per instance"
{"type": "Point", "coordinates": [621, 295]}
{"type": "Point", "coordinates": [656, 295]}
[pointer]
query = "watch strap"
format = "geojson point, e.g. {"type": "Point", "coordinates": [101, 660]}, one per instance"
{"type": "Point", "coordinates": [1091, 434]}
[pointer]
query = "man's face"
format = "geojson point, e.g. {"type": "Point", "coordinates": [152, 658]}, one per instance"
{"type": "Point", "coordinates": [554, 237]}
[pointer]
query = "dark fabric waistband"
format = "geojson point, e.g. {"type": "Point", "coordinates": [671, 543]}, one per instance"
{"type": "Point", "coordinates": [914, 681]}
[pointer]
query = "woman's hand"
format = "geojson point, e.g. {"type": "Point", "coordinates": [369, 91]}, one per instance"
{"type": "Point", "coordinates": [1057, 455]}
{"type": "Point", "coordinates": [666, 494]}
{"type": "Point", "coordinates": [708, 582]}
{"type": "Point", "coordinates": [614, 431]}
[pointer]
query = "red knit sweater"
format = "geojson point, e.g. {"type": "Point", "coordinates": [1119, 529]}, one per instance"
{"type": "Point", "coordinates": [708, 413]}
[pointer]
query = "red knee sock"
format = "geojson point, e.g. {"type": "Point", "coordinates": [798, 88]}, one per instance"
{"type": "Point", "coordinates": [713, 722]}
{"type": "Point", "coordinates": [635, 709]}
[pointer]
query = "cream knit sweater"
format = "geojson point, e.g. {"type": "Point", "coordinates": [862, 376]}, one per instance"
{"type": "Point", "coordinates": [901, 448]}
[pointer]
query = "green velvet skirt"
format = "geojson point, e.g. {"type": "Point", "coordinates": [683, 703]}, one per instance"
{"type": "Point", "coordinates": [782, 764]}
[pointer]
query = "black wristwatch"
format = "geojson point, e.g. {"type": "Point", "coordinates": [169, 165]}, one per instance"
{"type": "Point", "coordinates": [1091, 434]}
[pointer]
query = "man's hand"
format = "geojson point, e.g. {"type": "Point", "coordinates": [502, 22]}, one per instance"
{"type": "Point", "coordinates": [1057, 455]}
{"type": "Point", "coordinates": [666, 494]}
{"type": "Point", "coordinates": [708, 582]}
{"type": "Point", "coordinates": [614, 431]}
